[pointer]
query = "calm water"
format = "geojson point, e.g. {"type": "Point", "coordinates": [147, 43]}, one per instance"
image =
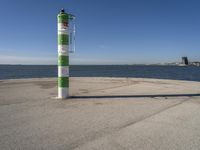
{"type": "Point", "coordinates": [191, 73]}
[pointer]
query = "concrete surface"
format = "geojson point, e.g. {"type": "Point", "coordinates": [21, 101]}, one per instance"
{"type": "Point", "coordinates": [104, 114]}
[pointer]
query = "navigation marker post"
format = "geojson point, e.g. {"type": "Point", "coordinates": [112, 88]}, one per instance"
{"type": "Point", "coordinates": [63, 53]}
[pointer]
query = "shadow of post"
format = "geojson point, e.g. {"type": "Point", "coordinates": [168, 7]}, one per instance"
{"type": "Point", "coordinates": [134, 96]}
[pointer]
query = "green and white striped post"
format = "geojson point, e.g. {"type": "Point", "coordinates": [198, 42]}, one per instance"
{"type": "Point", "coordinates": [63, 55]}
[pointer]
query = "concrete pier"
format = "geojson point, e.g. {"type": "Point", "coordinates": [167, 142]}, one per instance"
{"type": "Point", "coordinates": [102, 113]}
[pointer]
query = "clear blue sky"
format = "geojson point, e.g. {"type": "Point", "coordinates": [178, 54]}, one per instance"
{"type": "Point", "coordinates": [108, 31]}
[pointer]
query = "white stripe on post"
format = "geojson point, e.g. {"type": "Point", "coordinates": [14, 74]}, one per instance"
{"type": "Point", "coordinates": [63, 50]}
{"type": "Point", "coordinates": [63, 92]}
{"type": "Point", "coordinates": [62, 29]}
{"type": "Point", "coordinates": [63, 71]}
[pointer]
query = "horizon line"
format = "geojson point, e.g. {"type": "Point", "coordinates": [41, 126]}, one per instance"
{"type": "Point", "coordinates": [91, 64]}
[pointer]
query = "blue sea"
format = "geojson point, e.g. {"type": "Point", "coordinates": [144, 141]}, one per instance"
{"type": "Point", "coordinates": [190, 73]}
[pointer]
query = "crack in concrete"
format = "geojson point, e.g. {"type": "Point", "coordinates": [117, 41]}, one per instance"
{"type": "Point", "coordinates": [103, 133]}
{"type": "Point", "coordinates": [149, 116]}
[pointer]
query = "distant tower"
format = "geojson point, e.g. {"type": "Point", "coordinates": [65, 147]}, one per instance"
{"type": "Point", "coordinates": [185, 61]}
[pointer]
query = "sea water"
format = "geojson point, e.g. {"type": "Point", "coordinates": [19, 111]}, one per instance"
{"type": "Point", "coordinates": [190, 73]}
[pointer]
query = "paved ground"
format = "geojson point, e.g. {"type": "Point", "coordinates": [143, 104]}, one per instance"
{"type": "Point", "coordinates": [105, 114]}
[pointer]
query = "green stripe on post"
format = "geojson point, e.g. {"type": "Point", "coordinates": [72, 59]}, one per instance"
{"type": "Point", "coordinates": [63, 81]}
{"type": "Point", "coordinates": [62, 18]}
{"type": "Point", "coordinates": [63, 39]}
{"type": "Point", "coordinates": [63, 60]}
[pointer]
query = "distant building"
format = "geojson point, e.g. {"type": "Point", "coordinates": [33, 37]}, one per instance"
{"type": "Point", "coordinates": [196, 64]}
{"type": "Point", "coordinates": [185, 61]}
